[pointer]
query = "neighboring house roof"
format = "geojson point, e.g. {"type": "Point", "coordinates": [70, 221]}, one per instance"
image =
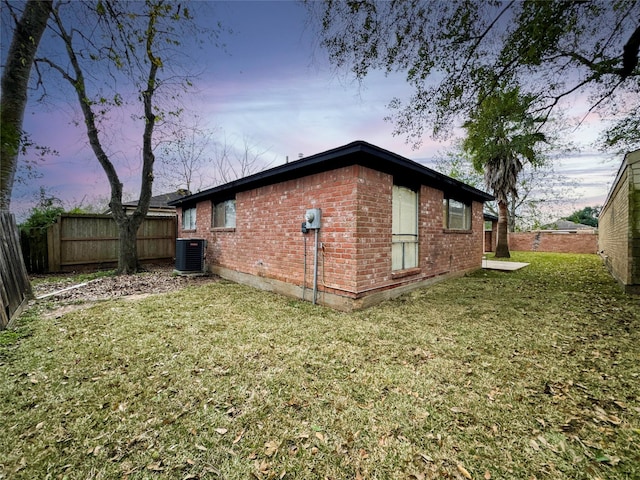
{"type": "Point", "coordinates": [565, 225]}
{"type": "Point", "coordinates": [161, 201]}
{"type": "Point", "coordinates": [355, 153]}
{"type": "Point", "coordinates": [490, 217]}
{"type": "Point", "coordinates": [569, 225]}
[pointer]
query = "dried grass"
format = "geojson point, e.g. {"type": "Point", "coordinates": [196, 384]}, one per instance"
{"type": "Point", "coordinates": [529, 374]}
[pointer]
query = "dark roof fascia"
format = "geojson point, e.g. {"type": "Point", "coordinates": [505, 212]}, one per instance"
{"type": "Point", "coordinates": [355, 153]}
{"type": "Point", "coordinates": [416, 173]}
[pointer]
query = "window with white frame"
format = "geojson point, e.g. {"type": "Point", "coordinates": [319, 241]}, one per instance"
{"type": "Point", "coordinates": [189, 218]}
{"type": "Point", "coordinates": [404, 221]}
{"type": "Point", "coordinates": [224, 214]}
{"type": "Point", "coordinates": [456, 215]}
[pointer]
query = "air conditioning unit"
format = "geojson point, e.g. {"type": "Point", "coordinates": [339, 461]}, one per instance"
{"type": "Point", "coordinates": [190, 254]}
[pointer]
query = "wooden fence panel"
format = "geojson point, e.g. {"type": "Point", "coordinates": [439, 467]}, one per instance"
{"type": "Point", "coordinates": [34, 250]}
{"type": "Point", "coordinates": [15, 287]}
{"type": "Point", "coordinates": [81, 241]}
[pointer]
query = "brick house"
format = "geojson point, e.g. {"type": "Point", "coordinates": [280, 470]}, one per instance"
{"type": "Point", "coordinates": [387, 225]}
{"type": "Point", "coordinates": [619, 225]}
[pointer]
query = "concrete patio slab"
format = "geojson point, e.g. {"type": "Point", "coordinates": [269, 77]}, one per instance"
{"type": "Point", "coordinates": [504, 266]}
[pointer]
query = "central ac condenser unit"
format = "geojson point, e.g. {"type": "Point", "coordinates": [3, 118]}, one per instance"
{"type": "Point", "coordinates": [190, 254]}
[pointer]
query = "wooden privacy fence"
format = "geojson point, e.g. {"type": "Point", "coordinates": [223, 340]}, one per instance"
{"type": "Point", "coordinates": [34, 249]}
{"type": "Point", "coordinates": [15, 287]}
{"type": "Point", "coordinates": [90, 241]}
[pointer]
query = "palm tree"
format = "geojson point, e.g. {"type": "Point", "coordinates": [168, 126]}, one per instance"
{"type": "Point", "coordinates": [502, 134]}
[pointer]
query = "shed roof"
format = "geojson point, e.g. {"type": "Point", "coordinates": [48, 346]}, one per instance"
{"type": "Point", "coordinates": [356, 153]}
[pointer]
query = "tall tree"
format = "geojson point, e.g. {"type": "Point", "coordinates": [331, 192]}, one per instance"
{"type": "Point", "coordinates": [27, 33]}
{"type": "Point", "coordinates": [451, 51]}
{"type": "Point", "coordinates": [192, 159]}
{"type": "Point", "coordinates": [501, 135]}
{"type": "Point", "coordinates": [232, 162]}
{"type": "Point", "coordinates": [542, 191]}
{"type": "Point", "coordinates": [586, 216]}
{"type": "Point", "coordinates": [129, 42]}
{"type": "Point", "coordinates": [185, 159]}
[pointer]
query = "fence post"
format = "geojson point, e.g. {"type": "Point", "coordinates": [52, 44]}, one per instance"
{"type": "Point", "coordinates": [53, 245]}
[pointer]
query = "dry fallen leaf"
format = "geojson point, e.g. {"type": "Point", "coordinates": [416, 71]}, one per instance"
{"type": "Point", "coordinates": [543, 441]}
{"type": "Point", "coordinates": [487, 475]}
{"type": "Point", "coordinates": [155, 467]}
{"type": "Point", "coordinates": [201, 447]}
{"type": "Point", "coordinates": [263, 467]}
{"type": "Point", "coordinates": [95, 450]}
{"type": "Point", "coordinates": [270, 448]}
{"type": "Point", "coordinates": [238, 438]}
{"type": "Point", "coordinates": [465, 473]}
{"type": "Point", "coordinates": [221, 431]}
{"type": "Point", "coordinates": [605, 417]}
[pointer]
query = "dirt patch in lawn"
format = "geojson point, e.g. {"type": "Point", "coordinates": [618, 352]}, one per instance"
{"type": "Point", "coordinates": [73, 292]}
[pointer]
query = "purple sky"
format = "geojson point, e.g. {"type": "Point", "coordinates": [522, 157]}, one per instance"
{"type": "Point", "coordinates": [273, 87]}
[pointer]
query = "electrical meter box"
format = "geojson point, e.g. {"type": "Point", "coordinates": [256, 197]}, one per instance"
{"type": "Point", "coordinates": [312, 219]}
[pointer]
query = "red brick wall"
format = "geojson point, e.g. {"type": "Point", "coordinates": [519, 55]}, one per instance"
{"type": "Point", "coordinates": [267, 240]}
{"type": "Point", "coordinates": [586, 242]}
{"type": "Point", "coordinates": [446, 251]}
{"type": "Point", "coordinates": [373, 229]}
{"type": "Point", "coordinates": [355, 238]}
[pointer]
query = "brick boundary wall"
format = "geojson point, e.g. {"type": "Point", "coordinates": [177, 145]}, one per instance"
{"type": "Point", "coordinates": [555, 242]}
{"type": "Point", "coordinates": [619, 242]}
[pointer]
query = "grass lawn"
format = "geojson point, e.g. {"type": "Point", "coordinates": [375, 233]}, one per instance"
{"type": "Point", "coordinates": [533, 374]}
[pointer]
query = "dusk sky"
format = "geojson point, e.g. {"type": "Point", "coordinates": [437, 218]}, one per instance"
{"type": "Point", "coordinates": [274, 87]}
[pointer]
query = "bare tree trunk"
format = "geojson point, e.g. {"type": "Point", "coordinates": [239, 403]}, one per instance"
{"type": "Point", "coordinates": [15, 80]}
{"type": "Point", "coordinates": [127, 224]}
{"type": "Point", "coordinates": [128, 253]}
{"type": "Point", "coordinates": [502, 245]}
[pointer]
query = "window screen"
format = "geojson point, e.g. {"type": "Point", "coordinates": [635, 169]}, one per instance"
{"type": "Point", "coordinates": [189, 219]}
{"type": "Point", "coordinates": [224, 214]}
{"type": "Point", "coordinates": [404, 253]}
{"type": "Point", "coordinates": [456, 215]}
